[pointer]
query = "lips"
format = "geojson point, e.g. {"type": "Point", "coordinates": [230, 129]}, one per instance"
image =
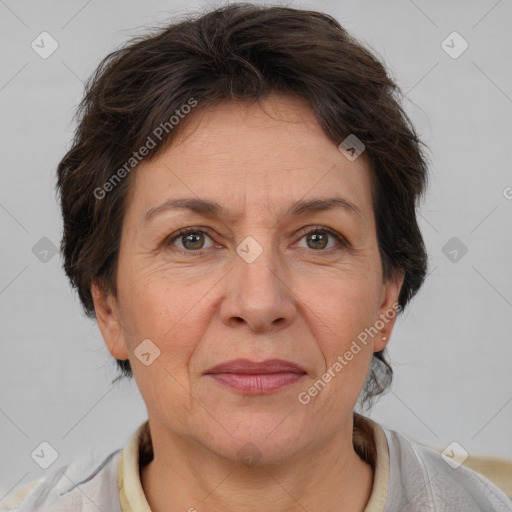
{"type": "Point", "coordinates": [247, 367]}
{"type": "Point", "coordinates": [251, 377]}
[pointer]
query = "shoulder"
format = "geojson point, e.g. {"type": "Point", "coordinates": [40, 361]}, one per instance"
{"type": "Point", "coordinates": [420, 477]}
{"type": "Point", "coordinates": [88, 483]}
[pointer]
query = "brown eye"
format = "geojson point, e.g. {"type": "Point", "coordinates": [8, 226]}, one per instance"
{"type": "Point", "coordinates": [190, 240]}
{"type": "Point", "coordinates": [318, 239]}
{"type": "Point", "coordinates": [193, 241]}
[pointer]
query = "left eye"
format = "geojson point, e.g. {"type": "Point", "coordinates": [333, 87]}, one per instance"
{"type": "Point", "coordinates": [318, 238]}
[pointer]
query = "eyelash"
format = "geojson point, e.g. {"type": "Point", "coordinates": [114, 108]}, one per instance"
{"type": "Point", "coordinates": [316, 229]}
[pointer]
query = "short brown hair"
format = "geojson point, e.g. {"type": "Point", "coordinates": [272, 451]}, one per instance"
{"type": "Point", "coordinates": [240, 51]}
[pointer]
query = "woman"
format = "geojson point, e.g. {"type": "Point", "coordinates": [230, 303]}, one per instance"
{"type": "Point", "coordinates": [239, 218]}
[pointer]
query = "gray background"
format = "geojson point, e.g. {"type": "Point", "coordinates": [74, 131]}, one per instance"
{"type": "Point", "coordinates": [451, 351]}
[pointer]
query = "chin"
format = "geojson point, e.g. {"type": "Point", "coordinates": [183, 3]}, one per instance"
{"type": "Point", "coordinates": [260, 438]}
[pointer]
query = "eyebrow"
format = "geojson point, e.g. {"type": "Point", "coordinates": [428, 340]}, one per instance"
{"type": "Point", "coordinates": [214, 209]}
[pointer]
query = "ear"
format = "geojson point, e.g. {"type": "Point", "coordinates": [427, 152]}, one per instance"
{"type": "Point", "coordinates": [108, 321]}
{"type": "Point", "coordinates": [388, 310]}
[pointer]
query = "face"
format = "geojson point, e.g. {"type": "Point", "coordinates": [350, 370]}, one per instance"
{"type": "Point", "coordinates": [257, 277]}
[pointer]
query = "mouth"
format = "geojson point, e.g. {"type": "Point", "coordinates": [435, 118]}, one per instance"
{"type": "Point", "coordinates": [253, 377]}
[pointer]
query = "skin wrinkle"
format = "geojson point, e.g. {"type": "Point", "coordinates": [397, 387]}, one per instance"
{"type": "Point", "coordinates": [294, 304]}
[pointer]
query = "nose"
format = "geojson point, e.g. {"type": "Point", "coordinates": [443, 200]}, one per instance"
{"type": "Point", "coordinates": [258, 294]}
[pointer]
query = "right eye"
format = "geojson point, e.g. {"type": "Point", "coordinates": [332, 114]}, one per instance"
{"type": "Point", "coordinates": [191, 239]}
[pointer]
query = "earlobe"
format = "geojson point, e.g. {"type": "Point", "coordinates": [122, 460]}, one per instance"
{"type": "Point", "coordinates": [108, 321]}
{"type": "Point", "coordinates": [389, 309]}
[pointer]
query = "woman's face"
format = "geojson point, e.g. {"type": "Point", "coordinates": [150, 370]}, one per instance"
{"type": "Point", "coordinates": [249, 281]}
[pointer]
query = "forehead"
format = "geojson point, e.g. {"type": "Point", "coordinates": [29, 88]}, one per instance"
{"type": "Point", "coordinates": [252, 157]}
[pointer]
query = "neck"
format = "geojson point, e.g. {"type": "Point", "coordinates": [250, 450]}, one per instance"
{"type": "Point", "coordinates": [184, 475]}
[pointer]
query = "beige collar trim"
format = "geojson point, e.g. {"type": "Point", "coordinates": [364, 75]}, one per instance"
{"type": "Point", "coordinates": [381, 474]}
{"type": "Point", "coordinates": [131, 493]}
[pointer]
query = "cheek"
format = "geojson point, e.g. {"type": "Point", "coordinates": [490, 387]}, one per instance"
{"type": "Point", "coordinates": [345, 314]}
{"type": "Point", "coordinates": [345, 306]}
{"type": "Point", "coordinates": [167, 315]}
{"type": "Point", "coordinates": [152, 304]}
{"type": "Point", "coordinates": [342, 310]}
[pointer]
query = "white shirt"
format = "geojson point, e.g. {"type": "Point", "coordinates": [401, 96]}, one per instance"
{"type": "Point", "coordinates": [408, 477]}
